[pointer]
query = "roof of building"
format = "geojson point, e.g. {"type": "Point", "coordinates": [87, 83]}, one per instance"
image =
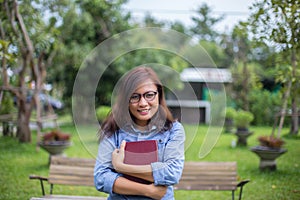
{"type": "Point", "coordinates": [208, 75]}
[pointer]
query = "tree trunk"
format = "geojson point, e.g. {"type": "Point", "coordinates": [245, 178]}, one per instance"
{"type": "Point", "coordinates": [295, 115]}
{"type": "Point", "coordinates": [283, 108]}
{"type": "Point", "coordinates": [294, 119]}
{"type": "Point", "coordinates": [245, 87]}
{"type": "Point", "coordinates": [23, 130]}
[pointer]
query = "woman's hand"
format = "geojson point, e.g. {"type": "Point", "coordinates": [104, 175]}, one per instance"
{"type": "Point", "coordinates": [139, 171]}
{"type": "Point", "coordinates": [156, 191]}
{"type": "Point", "coordinates": [118, 157]}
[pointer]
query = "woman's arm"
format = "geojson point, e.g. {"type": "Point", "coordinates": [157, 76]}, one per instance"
{"type": "Point", "coordinates": [127, 187]}
{"type": "Point", "coordinates": [168, 172]}
{"type": "Point", "coordinates": [104, 174]}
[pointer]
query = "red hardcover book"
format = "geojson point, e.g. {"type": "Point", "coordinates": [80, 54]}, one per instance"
{"type": "Point", "coordinates": [140, 153]}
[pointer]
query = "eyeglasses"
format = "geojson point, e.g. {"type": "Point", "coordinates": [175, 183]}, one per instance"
{"type": "Point", "coordinates": [148, 96]}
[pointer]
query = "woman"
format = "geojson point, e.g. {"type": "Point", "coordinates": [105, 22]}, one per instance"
{"type": "Point", "coordinates": [140, 113]}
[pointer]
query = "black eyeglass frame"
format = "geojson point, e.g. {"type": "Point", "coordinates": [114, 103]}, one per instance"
{"type": "Point", "coordinates": [132, 101]}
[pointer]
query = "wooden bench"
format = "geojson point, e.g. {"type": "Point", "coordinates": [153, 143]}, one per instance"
{"type": "Point", "coordinates": [211, 176]}
{"type": "Point", "coordinates": [68, 171]}
{"type": "Point", "coordinates": [196, 176]}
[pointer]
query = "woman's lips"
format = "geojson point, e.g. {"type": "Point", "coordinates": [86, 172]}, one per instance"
{"type": "Point", "coordinates": [143, 111]}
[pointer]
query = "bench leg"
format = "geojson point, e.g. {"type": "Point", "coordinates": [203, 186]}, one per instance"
{"type": "Point", "coordinates": [51, 188]}
{"type": "Point", "coordinates": [232, 193]}
{"type": "Point", "coordinates": [42, 186]}
{"type": "Point", "coordinates": [241, 191]}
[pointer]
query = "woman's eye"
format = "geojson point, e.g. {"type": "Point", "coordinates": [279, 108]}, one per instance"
{"type": "Point", "coordinates": [135, 97]}
{"type": "Point", "coordinates": [149, 95]}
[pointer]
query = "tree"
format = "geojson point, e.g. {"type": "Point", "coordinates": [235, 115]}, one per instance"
{"type": "Point", "coordinates": [203, 29]}
{"type": "Point", "coordinates": [204, 23]}
{"type": "Point", "coordinates": [85, 24]}
{"type": "Point", "coordinates": [178, 26]}
{"type": "Point", "coordinates": [241, 52]}
{"type": "Point", "coordinates": [32, 42]}
{"type": "Point", "coordinates": [150, 21]}
{"type": "Point", "coordinates": [276, 23]}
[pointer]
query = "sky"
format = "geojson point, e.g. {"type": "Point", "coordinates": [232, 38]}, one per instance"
{"type": "Point", "coordinates": [182, 10]}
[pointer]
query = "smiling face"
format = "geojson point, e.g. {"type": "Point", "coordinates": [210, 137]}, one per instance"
{"type": "Point", "coordinates": [144, 109]}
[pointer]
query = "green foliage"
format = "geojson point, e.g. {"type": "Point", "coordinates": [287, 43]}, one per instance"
{"type": "Point", "coordinates": [230, 113]}
{"type": "Point", "coordinates": [264, 105]}
{"type": "Point", "coordinates": [215, 52]}
{"type": "Point", "coordinates": [240, 90]}
{"type": "Point", "coordinates": [7, 104]}
{"type": "Point", "coordinates": [150, 21]}
{"type": "Point", "coordinates": [4, 45]}
{"type": "Point", "coordinates": [273, 22]}
{"type": "Point", "coordinates": [94, 22]}
{"type": "Point", "coordinates": [243, 119]}
{"type": "Point", "coordinates": [204, 23]}
{"type": "Point", "coordinates": [102, 112]}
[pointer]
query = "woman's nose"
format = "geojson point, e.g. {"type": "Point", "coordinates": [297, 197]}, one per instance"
{"type": "Point", "coordinates": [143, 101]}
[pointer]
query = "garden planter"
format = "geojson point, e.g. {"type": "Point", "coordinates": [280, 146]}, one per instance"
{"type": "Point", "coordinates": [268, 156]}
{"type": "Point", "coordinates": [55, 143]}
{"type": "Point", "coordinates": [55, 147]}
{"type": "Point", "coordinates": [229, 125]}
{"type": "Point", "coordinates": [243, 135]}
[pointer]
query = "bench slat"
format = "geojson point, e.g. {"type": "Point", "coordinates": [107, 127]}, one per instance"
{"type": "Point", "coordinates": [69, 170]}
{"type": "Point", "coordinates": [66, 197]}
{"type": "Point", "coordinates": [208, 176]}
{"type": "Point", "coordinates": [72, 180]}
{"type": "Point", "coordinates": [60, 160]}
{"type": "Point", "coordinates": [188, 186]}
{"type": "Point", "coordinates": [71, 175]}
{"type": "Point", "coordinates": [209, 173]}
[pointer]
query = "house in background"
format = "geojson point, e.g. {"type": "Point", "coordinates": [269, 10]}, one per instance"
{"type": "Point", "coordinates": [192, 104]}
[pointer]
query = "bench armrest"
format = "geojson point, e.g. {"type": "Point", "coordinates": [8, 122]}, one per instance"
{"type": "Point", "coordinates": [242, 183]}
{"type": "Point", "coordinates": [38, 177]}
{"type": "Point", "coordinates": [42, 179]}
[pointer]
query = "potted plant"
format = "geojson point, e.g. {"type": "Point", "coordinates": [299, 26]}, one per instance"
{"type": "Point", "coordinates": [268, 151]}
{"type": "Point", "coordinates": [229, 119]}
{"type": "Point", "coordinates": [242, 121]}
{"type": "Point", "coordinates": [55, 142]}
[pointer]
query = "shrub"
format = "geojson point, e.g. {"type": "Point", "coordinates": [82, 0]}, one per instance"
{"type": "Point", "coordinates": [7, 105]}
{"type": "Point", "coordinates": [230, 113]}
{"type": "Point", "coordinates": [243, 119]}
{"type": "Point", "coordinates": [264, 105]}
{"type": "Point", "coordinates": [102, 113]}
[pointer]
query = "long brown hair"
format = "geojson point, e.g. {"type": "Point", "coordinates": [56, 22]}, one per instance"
{"type": "Point", "coordinates": [120, 116]}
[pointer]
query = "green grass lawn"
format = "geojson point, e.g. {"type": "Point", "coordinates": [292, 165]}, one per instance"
{"type": "Point", "coordinates": [18, 161]}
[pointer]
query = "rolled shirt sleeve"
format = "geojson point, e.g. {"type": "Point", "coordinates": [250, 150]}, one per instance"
{"type": "Point", "coordinates": [169, 170]}
{"type": "Point", "coordinates": [104, 174]}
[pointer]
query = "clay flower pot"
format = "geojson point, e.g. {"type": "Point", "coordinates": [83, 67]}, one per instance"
{"type": "Point", "coordinates": [55, 142]}
{"type": "Point", "coordinates": [268, 151]}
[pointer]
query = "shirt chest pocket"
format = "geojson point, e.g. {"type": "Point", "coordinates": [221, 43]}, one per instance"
{"type": "Point", "coordinates": [161, 144]}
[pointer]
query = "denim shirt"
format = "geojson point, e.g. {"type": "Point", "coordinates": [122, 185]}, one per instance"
{"type": "Point", "coordinates": [167, 171]}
